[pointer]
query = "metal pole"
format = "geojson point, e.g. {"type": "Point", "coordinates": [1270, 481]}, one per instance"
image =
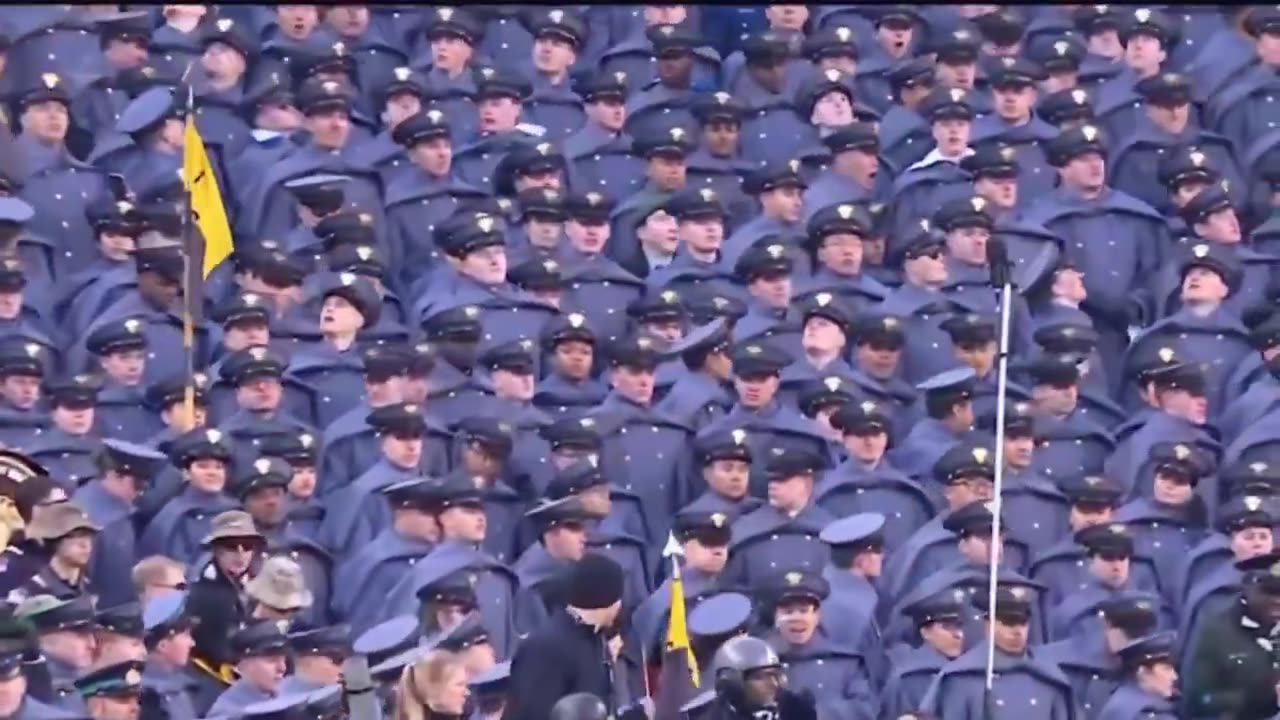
{"type": "Point", "coordinates": [1002, 381]}
{"type": "Point", "coordinates": [188, 267]}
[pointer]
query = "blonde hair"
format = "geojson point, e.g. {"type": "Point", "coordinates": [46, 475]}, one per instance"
{"type": "Point", "coordinates": [151, 570]}
{"type": "Point", "coordinates": [421, 681]}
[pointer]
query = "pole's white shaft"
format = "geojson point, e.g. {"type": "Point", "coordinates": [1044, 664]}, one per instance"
{"type": "Point", "coordinates": [1002, 383]}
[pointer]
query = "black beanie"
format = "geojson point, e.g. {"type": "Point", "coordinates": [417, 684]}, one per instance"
{"type": "Point", "coordinates": [595, 582]}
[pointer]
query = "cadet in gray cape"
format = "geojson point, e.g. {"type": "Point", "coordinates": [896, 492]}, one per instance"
{"type": "Point", "coordinates": [261, 650]}
{"type": "Point", "coordinates": [317, 658]}
{"type": "Point", "coordinates": [16, 700]}
{"type": "Point", "coordinates": [168, 685]}
{"type": "Point", "coordinates": [112, 692]}
{"type": "Point", "coordinates": [64, 633]}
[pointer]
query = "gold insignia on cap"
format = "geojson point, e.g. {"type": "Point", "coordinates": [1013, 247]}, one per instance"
{"type": "Point", "coordinates": [213, 436]}
{"type": "Point", "coordinates": [644, 343]}
{"type": "Point", "coordinates": [1007, 61]}
{"type": "Point", "coordinates": [956, 94]}
{"type": "Point", "coordinates": [722, 98]}
{"type": "Point", "coordinates": [51, 80]}
{"type": "Point", "coordinates": [1200, 250]}
{"type": "Point", "coordinates": [832, 74]}
{"type": "Point", "coordinates": [889, 323]}
{"type": "Point", "coordinates": [981, 455]}
{"type": "Point", "coordinates": [587, 422]}
{"type": "Point", "coordinates": [1079, 96]}
{"type": "Point", "coordinates": [794, 165]}
{"type": "Point", "coordinates": [525, 344]}
{"type": "Point", "coordinates": [147, 71]}
{"type": "Point", "coordinates": [485, 223]}
{"type": "Point", "coordinates": [364, 252]}
{"type": "Point", "coordinates": [707, 195]}
{"type": "Point", "coordinates": [739, 436]}
{"type": "Point", "coordinates": [257, 352]}
{"type": "Point", "coordinates": [925, 225]}
{"type": "Point", "coordinates": [868, 407]}
{"type": "Point", "coordinates": [823, 299]}
{"type": "Point", "coordinates": [445, 13]}
{"type": "Point", "coordinates": [1116, 529]}
{"type": "Point", "coordinates": [471, 311]}
{"type": "Point", "coordinates": [620, 77]}
{"type": "Point", "coordinates": [435, 116]}
{"type": "Point", "coordinates": [669, 297]}
{"type": "Point", "coordinates": [339, 48]}
{"type": "Point", "coordinates": [504, 428]}
{"type": "Point", "coordinates": [1093, 481]}
{"type": "Point", "coordinates": [556, 16]}
{"type": "Point", "coordinates": [262, 465]}
{"type": "Point", "coordinates": [1090, 132]}
{"type": "Point", "coordinates": [1165, 354]}
{"type": "Point", "coordinates": [719, 302]}
{"type": "Point", "coordinates": [1275, 570]}
{"type": "Point", "coordinates": [306, 440]}
{"type": "Point", "coordinates": [132, 677]}
{"type": "Point", "coordinates": [543, 148]}
{"type": "Point", "coordinates": [843, 34]}
{"type": "Point", "coordinates": [133, 326]}
{"type": "Point", "coordinates": [978, 203]}
{"type": "Point", "coordinates": [31, 349]}
{"type": "Point", "coordinates": [833, 383]}
{"type": "Point", "coordinates": [412, 408]}
{"type": "Point", "coordinates": [224, 24]}
{"type": "Point", "coordinates": [550, 266]}
{"type": "Point", "coordinates": [845, 211]}
{"type": "Point", "coordinates": [347, 279]}
{"type": "Point", "coordinates": [1181, 452]}
{"type": "Point", "coordinates": [1252, 503]}
{"type": "Point", "coordinates": [667, 30]}
{"type": "Point", "coordinates": [1008, 154]}
{"type": "Point", "coordinates": [403, 73]}
{"type": "Point", "coordinates": [1061, 47]}
{"type": "Point", "coordinates": [593, 198]}
{"type": "Point", "coordinates": [487, 72]}
{"type": "Point", "coordinates": [330, 87]}
{"type": "Point", "coordinates": [718, 519]}
{"type": "Point", "coordinates": [753, 349]}
{"type": "Point", "coordinates": [775, 251]}
{"type": "Point", "coordinates": [1197, 158]}
{"type": "Point", "coordinates": [1142, 15]}
{"type": "Point", "coordinates": [677, 133]}
{"type": "Point", "coordinates": [1019, 592]}
{"type": "Point", "coordinates": [1258, 468]}
{"type": "Point", "coordinates": [576, 320]}
{"type": "Point", "coordinates": [793, 578]}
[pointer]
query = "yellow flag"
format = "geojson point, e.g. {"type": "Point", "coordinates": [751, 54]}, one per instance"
{"type": "Point", "coordinates": [206, 202]}
{"type": "Point", "coordinates": [677, 626]}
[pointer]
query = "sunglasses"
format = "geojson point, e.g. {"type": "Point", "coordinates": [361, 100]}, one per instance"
{"type": "Point", "coordinates": [238, 545]}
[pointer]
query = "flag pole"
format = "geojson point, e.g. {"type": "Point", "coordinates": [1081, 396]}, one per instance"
{"type": "Point", "coordinates": [998, 259]}
{"type": "Point", "coordinates": [188, 267]}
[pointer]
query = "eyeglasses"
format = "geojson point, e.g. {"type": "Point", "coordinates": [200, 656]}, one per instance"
{"type": "Point", "coordinates": [238, 545]}
{"type": "Point", "coordinates": [179, 586]}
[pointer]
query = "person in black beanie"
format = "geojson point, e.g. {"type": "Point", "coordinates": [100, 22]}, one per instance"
{"type": "Point", "coordinates": [575, 650]}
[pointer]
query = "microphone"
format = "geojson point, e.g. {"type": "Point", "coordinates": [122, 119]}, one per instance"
{"type": "Point", "coordinates": [998, 260]}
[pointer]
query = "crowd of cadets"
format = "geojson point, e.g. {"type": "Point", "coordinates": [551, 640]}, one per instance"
{"type": "Point", "coordinates": [514, 286]}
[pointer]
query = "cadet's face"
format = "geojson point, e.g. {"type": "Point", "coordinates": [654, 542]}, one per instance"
{"type": "Point", "coordinates": [543, 233]}
{"type": "Point", "coordinates": [567, 541]}
{"type": "Point", "coordinates": [756, 391]}
{"type": "Point", "coordinates": [761, 687]}
{"type": "Point", "coordinates": [790, 493]}
{"type": "Point", "coordinates": [10, 305]}
{"type": "Point", "coordinates": [796, 620]}
{"type": "Point", "coordinates": [297, 21]}
{"type": "Point", "coordinates": [952, 135]}
{"type": "Point", "coordinates": [1172, 490]}
{"type": "Point", "coordinates": [969, 244]}
{"type": "Point", "coordinates": [125, 366]}
{"type": "Point", "coordinates": [477, 659]}
{"type": "Point", "coordinates": [223, 63]}
{"type": "Point", "coordinates": [946, 636]}
{"type": "Point", "coordinates": [1251, 542]}
{"type": "Point", "coordinates": [707, 558]}
{"type": "Point", "coordinates": [1086, 172]}
{"type": "Point", "coordinates": [113, 648]}
{"type": "Point", "coordinates": [349, 20]}
{"type": "Point", "coordinates": [894, 36]}
{"type": "Point", "coordinates": [208, 474]}
{"type": "Point", "coordinates": [1011, 638]}
{"type": "Point", "coordinates": [573, 359]}
{"type": "Point", "coordinates": [450, 53]}
{"type": "Point", "coordinates": [73, 420]}
{"type": "Point", "coordinates": [728, 478]}
{"type": "Point", "coordinates": [1144, 54]}
{"type": "Point", "coordinates": [1160, 679]}
{"type": "Point", "coordinates": [553, 55]}
{"type": "Point", "coordinates": [260, 394]}
{"type": "Point", "coordinates": [403, 450]}
{"type": "Point", "coordinates": [675, 68]}
{"type": "Point", "coordinates": [278, 117]}
{"type": "Point", "coordinates": [1106, 43]}
{"type": "Point", "coordinates": [177, 648]}
{"type": "Point", "coordinates": [963, 491]}
{"type": "Point", "coordinates": [464, 523]}
{"type": "Point", "coordinates": [549, 179]}
{"type": "Point", "coordinates": [787, 17]}
{"type": "Point", "coordinates": [1001, 191]}
{"type": "Point", "coordinates": [329, 128]}
{"type": "Point", "coordinates": [668, 172]}
{"type": "Point", "coordinates": [1267, 46]}
{"type": "Point", "coordinates": [772, 290]}
{"type": "Point", "coordinates": [842, 253]}
{"type": "Point", "coordinates": [1014, 103]}
{"type": "Point", "coordinates": [1172, 118]}
{"type": "Point", "coordinates": [74, 647]}
{"type": "Point", "coordinates": [977, 547]}
{"type": "Point", "coordinates": [927, 269]}
{"type": "Point", "coordinates": [76, 548]}
{"type": "Point", "coordinates": [512, 385]}
{"type": "Point", "coordinates": [783, 203]}
{"type": "Point", "coordinates": [608, 113]}
{"type": "Point", "coordinates": [668, 331]}
{"type": "Point", "coordinates": [1112, 570]}
{"type": "Point", "coordinates": [659, 233]}
{"type": "Point", "coordinates": [770, 77]}
{"type": "Point", "coordinates": [450, 696]}
{"type": "Point", "coordinates": [1060, 80]}
{"type": "Point", "coordinates": [21, 391]}
{"type": "Point", "coordinates": [498, 114]}
{"type": "Point", "coordinates": [1019, 449]}
{"type": "Point", "coordinates": [415, 389]}
{"type": "Point", "coordinates": [174, 416]}
{"type": "Point", "coordinates": [1203, 285]}
{"type": "Point", "coordinates": [587, 237]}
{"type": "Point", "coordinates": [264, 672]}
{"type": "Point", "coordinates": [1222, 226]}
{"type": "Point", "coordinates": [821, 336]}
{"type": "Point", "coordinates": [867, 448]}
{"type": "Point", "coordinates": [664, 15]}
{"type": "Point", "coordinates": [266, 505]}
{"type": "Point", "coordinates": [434, 156]}
{"type": "Point", "coordinates": [1090, 515]}
{"type": "Point", "coordinates": [833, 110]}
{"type": "Point", "coordinates": [46, 121]}
{"type": "Point", "coordinates": [960, 75]}
{"type": "Point", "coordinates": [703, 235]}
{"type": "Point", "coordinates": [116, 246]}
{"type": "Point", "coordinates": [12, 692]}
{"type": "Point", "coordinates": [399, 107]}
{"type": "Point", "coordinates": [487, 265]}
{"type": "Point", "coordinates": [338, 316]}
{"type": "Point", "coordinates": [636, 384]}
{"type": "Point", "coordinates": [235, 555]}
{"type": "Point", "coordinates": [879, 361]}
{"type": "Point", "coordinates": [721, 137]}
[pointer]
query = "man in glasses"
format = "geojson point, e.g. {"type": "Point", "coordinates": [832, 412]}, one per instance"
{"type": "Point", "coordinates": [156, 576]}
